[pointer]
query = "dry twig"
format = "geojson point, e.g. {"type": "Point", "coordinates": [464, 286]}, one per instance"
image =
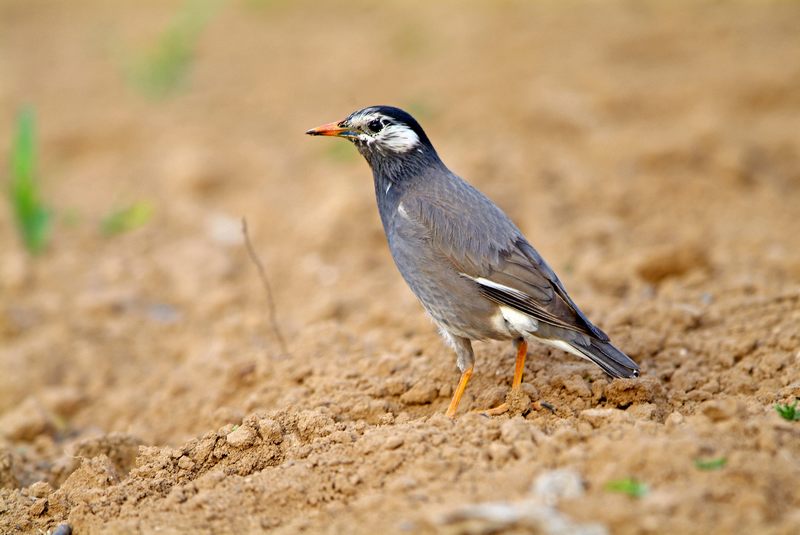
{"type": "Point", "coordinates": [273, 319]}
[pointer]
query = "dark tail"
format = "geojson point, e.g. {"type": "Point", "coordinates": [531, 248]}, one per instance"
{"type": "Point", "coordinates": [613, 361]}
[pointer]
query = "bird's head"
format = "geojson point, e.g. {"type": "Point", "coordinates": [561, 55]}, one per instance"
{"type": "Point", "coordinates": [379, 131]}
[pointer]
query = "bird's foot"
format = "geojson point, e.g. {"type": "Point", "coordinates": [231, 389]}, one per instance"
{"type": "Point", "coordinates": [517, 402]}
{"type": "Point", "coordinates": [496, 411]}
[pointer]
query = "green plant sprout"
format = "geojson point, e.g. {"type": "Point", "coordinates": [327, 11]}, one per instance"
{"type": "Point", "coordinates": [127, 219]}
{"type": "Point", "coordinates": [32, 216]}
{"type": "Point", "coordinates": [630, 486]}
{"type": "Point", "coordinates": [710, 464]}
{"type": "Point", "coordinates": [788, 412]}
{"type": "Point", "coordinates": [163, 69]}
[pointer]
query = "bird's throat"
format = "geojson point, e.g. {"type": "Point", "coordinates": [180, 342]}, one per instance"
{"type": "Point", "coordinates": [393, 169]}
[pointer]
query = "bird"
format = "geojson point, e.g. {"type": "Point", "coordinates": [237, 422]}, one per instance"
{"type": "Point", "coordinates": [469, 265]}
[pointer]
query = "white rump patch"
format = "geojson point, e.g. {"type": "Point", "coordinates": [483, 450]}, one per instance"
{"type": "Point", "coordinates": [509, 318]}
{"type": "Point", "coordinates": [519, 321]}
{"type": "Point", "coordinates": [522, 323]}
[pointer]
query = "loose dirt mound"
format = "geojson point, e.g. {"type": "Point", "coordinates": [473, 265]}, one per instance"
{"type": "Point", "coordinates": [650, 152]}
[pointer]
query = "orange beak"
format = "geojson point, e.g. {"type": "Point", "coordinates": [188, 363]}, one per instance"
{"type": "Point", "coordinates": [332, 129]}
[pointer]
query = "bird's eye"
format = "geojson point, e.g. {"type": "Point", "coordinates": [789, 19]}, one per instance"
{"type": "Point", "coordinates": [375, 125]}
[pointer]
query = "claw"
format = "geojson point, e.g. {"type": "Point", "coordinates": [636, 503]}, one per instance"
{"type": "Point", "coordinates": [496, 411]}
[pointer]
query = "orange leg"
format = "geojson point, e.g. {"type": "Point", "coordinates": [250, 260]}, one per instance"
{"type": "Point", "coordinates": [462, 385]}
{"type": "Point", "coordinates": [519, 367]}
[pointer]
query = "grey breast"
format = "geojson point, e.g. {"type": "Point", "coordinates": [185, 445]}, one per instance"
{"type": "Point", "coordinates": [438, 228]}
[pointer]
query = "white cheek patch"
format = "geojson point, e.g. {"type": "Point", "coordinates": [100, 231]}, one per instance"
{"type": "Point", "coordinates": [393, 137]}
{"type": "Point", "coordinates": [397, 138]}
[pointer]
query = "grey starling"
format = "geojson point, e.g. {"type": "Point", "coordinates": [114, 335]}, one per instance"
{"type": "Point", "coordinates": [469, 265]}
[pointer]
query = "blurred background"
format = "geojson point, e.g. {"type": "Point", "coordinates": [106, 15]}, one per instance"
{"type": "Point", "coordinates": [649, 150]}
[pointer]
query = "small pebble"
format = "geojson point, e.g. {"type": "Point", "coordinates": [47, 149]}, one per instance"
{"type": "Point", "coordinates": [241, 437]}
{"type": "Point", "coordinates": [63, 529]}
{"type": "Point", "coordinates": [393, 442]}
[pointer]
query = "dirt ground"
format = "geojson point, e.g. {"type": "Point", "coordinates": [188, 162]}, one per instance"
{"type": "Point", "coordinates": [649, 150]}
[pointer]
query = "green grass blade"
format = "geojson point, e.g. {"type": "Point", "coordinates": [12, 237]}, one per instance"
{"type": "Point", "coordinates": [127, 219]}
{"type": "Point", "coordinates": [630, 486]}
{"type": "Point", "coordinates": [711, 464]}
{"type": "Point", "coordinates": [164, 68]}
{"type": "Point", "coordinates": [32, 217]}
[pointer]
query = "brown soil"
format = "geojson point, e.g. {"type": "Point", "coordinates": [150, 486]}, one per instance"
{"type": "Point", "coordinates": [649, 150]}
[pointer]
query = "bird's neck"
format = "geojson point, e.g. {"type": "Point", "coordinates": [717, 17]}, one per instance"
{"type": "Point", "coordinates": [394, 174]}
{"type": "Point", "coordinates": [396, 170]}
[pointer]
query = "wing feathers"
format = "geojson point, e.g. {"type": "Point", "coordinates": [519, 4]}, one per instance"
{"type": "Point", "coordinates": [492, 248]}
{"type": "Point", "coordinates": [505, 295]}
